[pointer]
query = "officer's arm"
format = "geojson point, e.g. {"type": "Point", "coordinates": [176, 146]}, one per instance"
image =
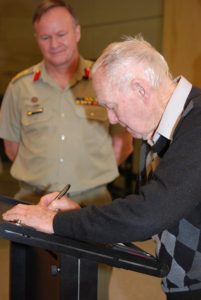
{"type": "Point", "coordinates": [122, 145]}
{"type": "Point", "coordinates": [11, 149]}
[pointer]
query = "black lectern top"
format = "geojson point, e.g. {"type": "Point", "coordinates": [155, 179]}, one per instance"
{"type": "Point", "coordinates": [127, 256]}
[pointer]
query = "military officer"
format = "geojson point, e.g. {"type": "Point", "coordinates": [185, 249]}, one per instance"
{"type": "Point", "coordinates": [53, 129]}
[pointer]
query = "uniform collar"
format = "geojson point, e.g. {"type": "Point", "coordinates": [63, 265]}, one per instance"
{"type": "Point", "coordinates": [40, 69]}
{"type": "Point", "coordinates": [83, 72]}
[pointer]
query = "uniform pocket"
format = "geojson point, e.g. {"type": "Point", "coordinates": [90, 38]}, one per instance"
{"type": "Point", "coordinates": [35, 116]}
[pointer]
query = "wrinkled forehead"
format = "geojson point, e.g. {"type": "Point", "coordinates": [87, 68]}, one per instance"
{"type": "Point", "coordinates": [106, 93]}
{"type": "Point", "coordinates": [97, 79]}
{"type": "Point", "coordinates": [100, 84]}
{"type": "Point", "coordinates": [105, 79]}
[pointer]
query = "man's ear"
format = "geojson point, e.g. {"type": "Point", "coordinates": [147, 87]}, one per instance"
{"type": "Point", "coordinates": [141, 88]}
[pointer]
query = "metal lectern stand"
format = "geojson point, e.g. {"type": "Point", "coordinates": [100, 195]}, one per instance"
{"type": "Point", "coordinates": [44, 266]}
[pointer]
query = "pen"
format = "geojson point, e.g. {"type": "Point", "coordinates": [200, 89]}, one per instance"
{"type": "Point", "coordinates": [63, 192]}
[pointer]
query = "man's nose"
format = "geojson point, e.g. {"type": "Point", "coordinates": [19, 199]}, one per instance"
{"type": "Point", "coordinates": [54, 42]}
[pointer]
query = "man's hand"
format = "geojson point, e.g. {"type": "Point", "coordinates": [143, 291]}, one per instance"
{"type": "Point", "coordinates": [40, 216]}
{"type": "Point", "coordinates": [62, 204]}
{"type": "Point", "coordinates": [36, 216]}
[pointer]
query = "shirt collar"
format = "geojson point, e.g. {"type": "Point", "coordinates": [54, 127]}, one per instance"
{"type": "Point", "coordinates": [173, 110]}
{"type": "Point", "coordinates": [80, 73]}
{"type": "Point", "coordinates": [42, 69]}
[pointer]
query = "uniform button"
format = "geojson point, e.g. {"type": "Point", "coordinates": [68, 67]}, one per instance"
{"type": "Point", "coordinates": [63, 137]}
{"type": "Point", "coordinates": [92, 114]}
{"type": "Point", "coordinates": [63, 115]}
{"type": "Point", "coordinates": [61, 160]}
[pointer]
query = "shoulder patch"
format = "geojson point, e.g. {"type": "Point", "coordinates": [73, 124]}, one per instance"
{"type": "Point", "coordinates": [22, 74]}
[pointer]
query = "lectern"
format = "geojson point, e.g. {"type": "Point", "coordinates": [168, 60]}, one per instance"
{"type": "Point", "coordinates": [48, 266]}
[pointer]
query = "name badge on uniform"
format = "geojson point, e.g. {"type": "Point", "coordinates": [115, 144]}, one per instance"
{"type": "Point", "coordinates": [36, 109]}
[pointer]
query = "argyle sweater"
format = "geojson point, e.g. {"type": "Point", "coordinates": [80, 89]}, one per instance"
{"type": "Point", "coordinates": [180, 249]}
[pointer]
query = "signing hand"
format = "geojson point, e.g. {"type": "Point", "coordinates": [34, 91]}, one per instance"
{"type": "Point", "coordinates": [62, 204]}
{"type": "Point", "coordinates": [36, 216]}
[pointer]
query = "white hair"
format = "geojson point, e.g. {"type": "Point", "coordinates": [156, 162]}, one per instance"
{"type": "Point", "coordinates": [119, 60]}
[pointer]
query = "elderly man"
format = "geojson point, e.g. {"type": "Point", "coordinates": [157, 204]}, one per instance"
{"type": "Point", "coordinates": [133, 82]}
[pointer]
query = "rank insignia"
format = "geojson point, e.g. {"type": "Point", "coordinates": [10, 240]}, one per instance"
{"type": "Point", "coordinates": [86, 101]}
{"type": "Point", "coordinates": [37, 75]}
{"type": "Point", "coordinates": [86, 73]}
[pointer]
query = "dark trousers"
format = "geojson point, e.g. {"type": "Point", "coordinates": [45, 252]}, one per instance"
{"type": "Point", "coordinates": [193, 295]}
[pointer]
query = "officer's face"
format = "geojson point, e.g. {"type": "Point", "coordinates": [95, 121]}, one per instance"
{"type": "Point", "coordinates": [57, 36]}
